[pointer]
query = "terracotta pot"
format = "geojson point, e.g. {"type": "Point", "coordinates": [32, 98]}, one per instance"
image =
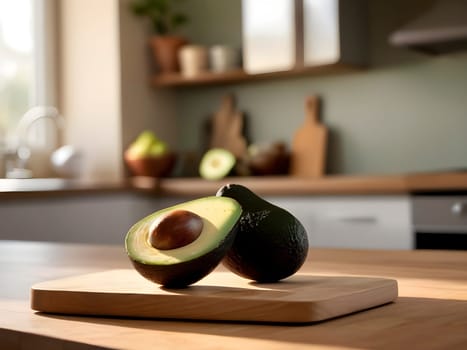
{"type": "Point", "coordinates": [165, 51]}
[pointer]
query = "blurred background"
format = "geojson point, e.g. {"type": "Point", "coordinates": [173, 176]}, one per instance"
{"type": "Point", "coordinates": [392, 89]}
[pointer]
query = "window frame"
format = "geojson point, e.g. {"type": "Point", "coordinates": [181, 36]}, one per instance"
{"type": "Point", "coordinates": [45, 53]}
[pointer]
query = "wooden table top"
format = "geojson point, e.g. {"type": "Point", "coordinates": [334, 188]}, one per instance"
{"type": "Point", "coordinates": [430, 313]}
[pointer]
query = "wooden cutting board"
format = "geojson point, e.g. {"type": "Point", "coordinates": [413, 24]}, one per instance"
{"type": "Point", "coordinates": [308, 153]}
{"type": "Point", "coordinates": [302, 298]}
{"type": "Point", "coordinates": [227, 128]}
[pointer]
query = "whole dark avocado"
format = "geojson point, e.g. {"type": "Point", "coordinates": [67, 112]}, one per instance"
{"type": "Point", "coordinates": [271, 244]}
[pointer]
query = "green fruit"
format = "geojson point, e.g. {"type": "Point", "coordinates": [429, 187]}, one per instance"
{"type": "Point", "coordinates": [271, 244]}
{"type": "Point", "coordinates": [146, 145]}
{"type": "Point", "coordinates": [179, 245]}
{"type": "Point", "coordinates": [157, 149]}
{"type": "Point", "coordinates": [216, 164]}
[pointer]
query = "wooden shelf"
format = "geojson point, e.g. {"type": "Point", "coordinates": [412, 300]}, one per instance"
{"type": "Point", "coordinates": [236, 76]}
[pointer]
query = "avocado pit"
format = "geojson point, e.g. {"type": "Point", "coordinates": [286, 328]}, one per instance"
{"type": "Point", "coordinates": [175, 229]}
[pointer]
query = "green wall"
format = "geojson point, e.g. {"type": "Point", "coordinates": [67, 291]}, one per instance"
{"type": "Point", "coordinates": [406, 113]}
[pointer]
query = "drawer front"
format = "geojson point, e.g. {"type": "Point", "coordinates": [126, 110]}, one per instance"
{"type": "Point", "coordinates": [379, 222]}
{"type": "Point", "coordinates": [440, 214]}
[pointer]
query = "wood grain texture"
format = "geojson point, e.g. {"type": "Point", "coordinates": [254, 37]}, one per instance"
{"type": "Point", "coordinates": [430, 312]}
{"type": "Point", "coordinates": [220, 296]}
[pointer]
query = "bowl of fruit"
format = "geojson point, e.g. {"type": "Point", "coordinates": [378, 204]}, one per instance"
{"type": "Point", "coordinates": [149, 156]}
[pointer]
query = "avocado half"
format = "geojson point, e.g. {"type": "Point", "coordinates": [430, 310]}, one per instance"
{"type": "Point", "coordinates": [188, 264]}
{"type": "Point", "coordinates": [216, 164]}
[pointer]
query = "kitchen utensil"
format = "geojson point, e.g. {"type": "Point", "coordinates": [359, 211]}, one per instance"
{"type": "Point", "coordinates": [223, 58]}
{"type": "Point", "coordinates": [219, 296]}
{"type": "Point", "coordinates": [193, 60]}
{"type": "Point", "coordinates": [153, 166]}
{"type": "Point", "coordinates": [227, 128]}
{"type": "Point", "coordinates": [309, 144]}
{"type": "Point", "coordinates": [67, 161]}
{"type": "Point", "coordinates": [268, 159]}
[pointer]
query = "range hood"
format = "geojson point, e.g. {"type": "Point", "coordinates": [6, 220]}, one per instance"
{"type": "Point", "coordinates": [440, 30]}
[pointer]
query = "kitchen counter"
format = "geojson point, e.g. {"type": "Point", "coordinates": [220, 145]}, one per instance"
{"type": "Point", "coordinates": [327, 185]}
{"type": "Point", "coordinates": [21, 188]}
{"type": "Point", "coordinates": [430, 313]}
{"type": "Point", "coordinates": [278, 185]}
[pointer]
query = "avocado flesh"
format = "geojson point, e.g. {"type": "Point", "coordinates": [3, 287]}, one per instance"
{"type": "Point", "coordinates": [271, 244]}
{"type": "Point", "coordinates": [185, 265]}
{"type": "Point", "coordinates": [216, 164]}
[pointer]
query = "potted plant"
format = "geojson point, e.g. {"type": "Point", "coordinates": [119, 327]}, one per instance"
{"type": "Point", "coordinates": [165, 20]}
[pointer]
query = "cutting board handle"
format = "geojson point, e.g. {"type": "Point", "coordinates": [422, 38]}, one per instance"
{"type": "Point", "coordinates": [227, 104]}
{"type": "Point", "coordinates": [309, 143]}
{"type": "Point", "coordinates": [312, 109]}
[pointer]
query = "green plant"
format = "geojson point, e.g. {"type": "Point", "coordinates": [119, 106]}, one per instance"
{"type": "Point", "coordinates": [164, 18]}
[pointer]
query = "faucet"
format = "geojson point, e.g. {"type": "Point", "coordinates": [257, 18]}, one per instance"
{"type": "Point", "coordinates": [16, 166]}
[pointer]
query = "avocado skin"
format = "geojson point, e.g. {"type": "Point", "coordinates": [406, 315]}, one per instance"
{"type": "Point", "coordinates": [271, 244]}
{"type": "Point", "coordinates": [188, 272]}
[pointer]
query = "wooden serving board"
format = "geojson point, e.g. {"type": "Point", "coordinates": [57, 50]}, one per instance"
{"type": "Point", "coordinates": [301, 298]}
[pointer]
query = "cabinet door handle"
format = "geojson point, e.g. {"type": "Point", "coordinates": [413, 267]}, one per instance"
{"type": "Point", "coordinates": [356, 219]}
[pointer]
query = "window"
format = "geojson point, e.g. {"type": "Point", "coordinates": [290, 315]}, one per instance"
{"type": "Point", "coordinates": [26, 59]}
{"type": "Point", "coordinates": [16, 60]}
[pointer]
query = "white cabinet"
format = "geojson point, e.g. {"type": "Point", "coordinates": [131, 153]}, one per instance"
{"type": "Point", "coordinates": [93, 218]}
{"type": "Point", "coordinates": [373, 222]}
{"type": "Point", "coordinates": [377, 222]}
